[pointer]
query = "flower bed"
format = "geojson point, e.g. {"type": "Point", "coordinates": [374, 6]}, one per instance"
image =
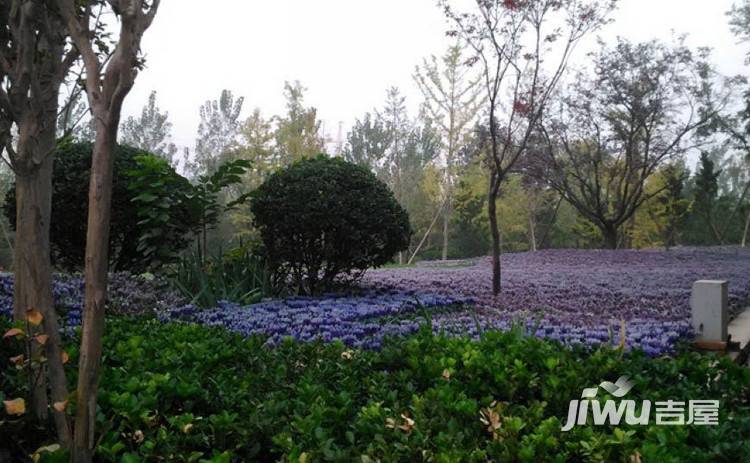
{"type": "Point", "coordinates": [573, 296]}
{"type": "Point", "coordinates": [128, 295]}
{"type": "Point", "coordinates": [358, 321]}
{"type": "Point", "coordinates": [581, 297]}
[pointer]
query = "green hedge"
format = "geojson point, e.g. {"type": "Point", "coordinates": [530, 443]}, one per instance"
{"type": "Point", "coordinates": [187, 393]}
{"type": "Point", "coordinates": [136, 174]}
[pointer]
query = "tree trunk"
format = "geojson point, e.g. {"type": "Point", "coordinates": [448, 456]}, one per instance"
{"type": "Point", "coordinates": [97, 247]}
{"type": "Point", "coordinates": [32, 267]}
{"type": "Point", "coordinates": [446, 224]}
{"type": "Point", "coordinates": [495, 232]}
{"type": "Point", "coordinates": [532, 233]}
{"type": "Point", "coordinates": [33, 276]}
{"type": "Point", "coordinates": [611, 237]}
{"type": "Point", "coordinates": [747, 228]}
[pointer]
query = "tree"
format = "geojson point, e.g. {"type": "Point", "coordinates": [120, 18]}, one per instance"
{"type": "Point", "coordinates": [298, 132]}
{"type": "Point", "coordinates": [107, 84]}
{"type": "Point", "coordinates": [367, 142]}
{"type": "Point", "coordinates": [452, 101]}
{"type": "Point", "coordinates": [399, 150]}
{"type": "Point", "coordinates": [217, 133]}
{"type": "Point", "coordinates": [617, 127]}
{"type": "Point", "coordinates": [151, 132]}
{"type": "Point", "coordinates": [256, 146]}
{"type": "Point", "coordinates": [735, 126]}
{"type": "Point", "coordinates": [739, 21]}
{"type": "Point", "coordinates": [397, 127]}
{"type": "Point", "coordinates": [706, 193]}
{"type": "Point", "coordinates": [661, 218]}
{"type": "Point", "coordinates": [34, 61]}
{"type": "Point", "coordinates": [512, 40]}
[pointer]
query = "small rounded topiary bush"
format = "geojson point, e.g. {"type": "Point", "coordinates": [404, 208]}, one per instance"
{"type": "Point", "coordinates": [325, 221]}
{"type": "Point", "coordinates": [70, 189]}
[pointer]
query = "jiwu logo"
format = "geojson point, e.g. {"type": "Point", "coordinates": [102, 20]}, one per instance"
{"type": "Point", "coordinates": [670, 412]}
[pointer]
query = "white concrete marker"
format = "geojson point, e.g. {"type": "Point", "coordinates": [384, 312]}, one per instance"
{"type": "Point", "coordinates": [708, 303]}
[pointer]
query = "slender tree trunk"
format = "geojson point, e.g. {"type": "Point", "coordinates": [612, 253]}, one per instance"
{"type": "Point", "coordinates": [495, 232]}
{"type": "Point", "coordinates": [97, 246]}
{"type": "Point", "coordinates": [532, 233]}
{"type": "Point", "coordinates": [446, 224]}
{"type": "Point", "coordinates": [32, 267]}
{"type": "Point", "coordinates": [33, 276]}
{"type": "Point", "coordinates": [747, 229]}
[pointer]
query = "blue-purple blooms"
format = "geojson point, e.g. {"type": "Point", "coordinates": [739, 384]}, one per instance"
{"type": "Point", "coordinates": [67, 292]}
{"type": "Point", "coordinates": [127, 294]}
{"type": "Point", "coordinates": [577, 297]}
{"type": "Point", "coordinates": [363, 320]}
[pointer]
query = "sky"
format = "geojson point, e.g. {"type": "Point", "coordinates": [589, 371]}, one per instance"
{"type": "Point", "coordinates": [348, 52]}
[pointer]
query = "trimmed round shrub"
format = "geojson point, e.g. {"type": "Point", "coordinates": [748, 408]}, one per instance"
{"type": "Point", "coordinates": [70, 188]}
{"type": "Point", "coordinates": [324, 221]}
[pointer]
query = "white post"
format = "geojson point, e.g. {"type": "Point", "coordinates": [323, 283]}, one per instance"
{"type": "Point", "coordinates": [708, 304]}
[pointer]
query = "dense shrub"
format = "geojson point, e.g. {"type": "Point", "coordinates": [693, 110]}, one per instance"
{"type": "Point", "coordinates": [70, 186]}
{"type": "Point", "coordinates": [192, 393]}
{"type": "Point", "coordinates": [325, 219]}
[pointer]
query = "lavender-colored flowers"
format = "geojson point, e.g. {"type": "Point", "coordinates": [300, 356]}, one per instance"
{"type": "Point", "coordinates": [580, 298]}
{"type": "Point", "coordinates": [127, 294]}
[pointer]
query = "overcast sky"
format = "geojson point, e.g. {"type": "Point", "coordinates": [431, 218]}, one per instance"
{"type": "Point", "coordinates": [346, 52]}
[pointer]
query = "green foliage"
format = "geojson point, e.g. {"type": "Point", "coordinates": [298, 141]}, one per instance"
{"type": "Point", "coordinates": [237, 276]}
{"type": "Point", "coordinates": [129, 227]}
{"type": "Point", "coordinates": [321, 219]}
{"type": "Point", "coordinates": [206, 199]}
{"type": "Point", "coordinates": [217, 133]}
{"type": "Point", "coordinates": [201, 394]}
{"type": "Point", "coordinates": [165, 212]}
{"type": "Point", "coordinates": [298, 134]}
{"type": "Point", "coordinates": [150, 132]}
{"type": "Point", "coordinates": [660, 220]}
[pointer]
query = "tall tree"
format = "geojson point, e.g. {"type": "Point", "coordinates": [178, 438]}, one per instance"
{"type": "Point", "coordinates": [451, 92]}
{"type": "Point", "coordinates": [399, 149]}
{"type": "Point", "coordinates": [739, 21]}
{"type": "Point", "coordinates": [513, 40]}
{"type": "Point", "coordinates": [660, 220]}
{"type": "Point", "coordinates": [107, 83]}
{"type": "Point", "coordinates": [397, 127]}
{"type": "Point", "coordinates": [217, 133]}
{"type": "Point", "coordinates": [150, 132]}
{"type": "Point", "coordinates": [255, 145]}
{"type": "Point", "coordinates": [735, 126]}
{"type": "Point", "coordinates": [366, 142]}
{"type": "Point", "coordinates": [298, 132]}
{"type": "Point", "coordinates": [34, 61]}
{"type": "Point", "coordinates": [706, 193]}
{"type": "Point", "coordinates": [617, 127]}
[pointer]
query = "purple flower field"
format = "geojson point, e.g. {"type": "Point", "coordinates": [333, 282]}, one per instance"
{"type": "Point", "coordinates": [581, 296]}
{"type": "Point", "coordinates": [574, 296]}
